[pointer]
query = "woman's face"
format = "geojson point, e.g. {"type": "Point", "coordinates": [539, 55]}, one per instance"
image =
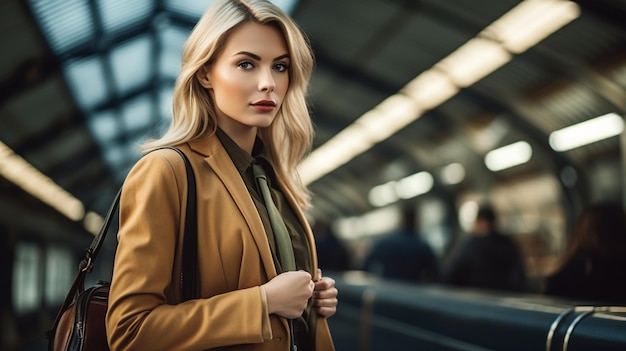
{"type": "Point", "coordinates": [249, 79]}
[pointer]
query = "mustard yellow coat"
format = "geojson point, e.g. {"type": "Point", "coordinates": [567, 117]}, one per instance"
{"type": "Point", "coordinates": [234, 259]}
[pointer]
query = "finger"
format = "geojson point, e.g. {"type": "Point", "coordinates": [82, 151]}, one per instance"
{"type": "Point", "coordinates": [330, 302]}
{"type": "Point", "coordinates": [326, 294]}
{"type": "Point", "coordinates": [324, 283]}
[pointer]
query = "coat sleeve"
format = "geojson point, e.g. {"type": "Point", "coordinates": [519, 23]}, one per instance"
{"type": "Point", "coordinates": [141, 314]}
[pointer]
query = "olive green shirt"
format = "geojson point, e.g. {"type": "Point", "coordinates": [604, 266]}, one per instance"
{"type": "Point", "coordinates": [243, 162]}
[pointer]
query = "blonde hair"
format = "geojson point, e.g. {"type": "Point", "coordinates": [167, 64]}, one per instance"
{"type": "Point", "coordinates": [289, 137]}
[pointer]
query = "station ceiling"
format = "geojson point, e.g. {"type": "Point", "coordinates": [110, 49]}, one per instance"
{"type": "Point", "coordinates": [83, 82]}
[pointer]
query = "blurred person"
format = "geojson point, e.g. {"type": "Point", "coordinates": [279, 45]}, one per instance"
{"type": "Point", "coordinates": [487, 258]}
{"type": "Point", "coordinates": [332, 253]}
{"type": "Point", "coordinates": [593, 265]}
{"type": "Point", "coordinates": [239, 105]}
{"type": "Point", "coordinates": [403, 255]}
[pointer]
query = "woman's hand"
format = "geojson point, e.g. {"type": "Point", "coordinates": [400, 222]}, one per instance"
{"type": "Point", "coordinates": [325, 296]}
{"type": "Point", "coordinates": [288, 293]}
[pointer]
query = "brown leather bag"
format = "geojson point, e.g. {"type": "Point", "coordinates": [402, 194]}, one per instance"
{"type": "Point", "coordinates": [79, 324]}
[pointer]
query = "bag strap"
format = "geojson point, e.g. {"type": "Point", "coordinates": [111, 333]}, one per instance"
{"type": "Point", "coordinates": [189, 284]}
{"type": "Point", "coordinates": [190, 251]}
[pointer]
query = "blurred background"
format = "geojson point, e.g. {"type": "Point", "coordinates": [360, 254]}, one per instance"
{"type": "Point", "coordinates": [436, 106]}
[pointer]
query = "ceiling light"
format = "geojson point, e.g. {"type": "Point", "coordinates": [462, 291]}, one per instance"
{"type": "Point", "coordinates": [414, 185]}
{"type": "Point", "coordinates": [430, 89]}
{"type": "Point", "coordinates": [383, 194]}
{"type": "Point", "coordinates": [18, 171]}
{"type": "Point", "coordinates": [405, 188]}
{"type": "Point", "coordinates": [23, 174]}
{"type": "Point", "coordinates": [473, 61]}
{"type": "Point", "coordinates": [587, 132]}
{"type": "Point", "coordinates": [508, 156]}
{"type": "Point", "coordinates": [334, 153]}
{"type": "Point", "coordinates": [391, 115]}
{"type": "Point", "coordinates": [453, 173]}
{"type": "Point", "coordinates": [530, 22]}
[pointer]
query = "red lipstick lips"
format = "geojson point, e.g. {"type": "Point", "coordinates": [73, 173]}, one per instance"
{"type": "Point", "coordinates": [264, 105]}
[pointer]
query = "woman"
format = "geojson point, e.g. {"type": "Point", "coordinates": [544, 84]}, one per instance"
{"type": "Point", "coordinates": [239, 101]}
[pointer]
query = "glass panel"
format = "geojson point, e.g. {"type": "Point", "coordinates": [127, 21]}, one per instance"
{"type": "Point", "coordinates": [26, 282]}
{"type": "Point", "coordinates": [87, 81]}
{"type": "Point", "coordinates": [118, 14]}
{"type": "Point", "coordinates": [172, 40]}
{"type": "Point", "coordinates": [287, 5]}
{"type": "Point", "coordinates": [104, 126]}
{"type": "Point", "coordinates": [132, 63]}
{"type": "Point", "coordinates": [65, 24]}
{"type": "Point", "coordinates": [60, 271]}
{"type": "Point", "coordinates": [165, 103]}
{"type": "Point", "coordinates": [192, 8]}
{"type": "Point", "coordinates": [137, 113]}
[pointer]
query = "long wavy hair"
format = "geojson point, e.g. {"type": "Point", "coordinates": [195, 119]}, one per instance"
{"type": "Point", "coordinates": [289, 138]}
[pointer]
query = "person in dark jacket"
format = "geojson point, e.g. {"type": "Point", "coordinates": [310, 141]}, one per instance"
{"type": "Point", "coordinates": [487, 259]}
{"type": "Point", "coordinates": [593, 264]}
{"type": "Point", "coordinates": [332, 253]}
{"type": "Point", "coordinates": [403, 255]}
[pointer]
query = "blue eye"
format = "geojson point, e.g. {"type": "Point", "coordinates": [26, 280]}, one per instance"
{"type": "Point", "coordinates": [281, 67]}
{"type": "Point", "coordinates": [245, 65]}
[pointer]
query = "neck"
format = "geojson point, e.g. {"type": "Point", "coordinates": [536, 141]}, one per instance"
{"type": "Point", "coordinates": [243, 137]}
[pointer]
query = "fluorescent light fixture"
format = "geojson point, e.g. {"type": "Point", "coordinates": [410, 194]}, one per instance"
{"type": "Point", "coordinates": [405, 188]}
{"type": "Point", "coordinates": [530, 22]}
{"type": "Point", "coordinates": [430, 89]}
{"type": "Point", "coordinates": [391, 115]}
{"type": "Point", "coordinates": [375, 125]}
{"type": "Point", "coordinates": [508, 156]}
{"type": "Point", "coordinates": [23, 174]}
{"type": "Point", "coordinates": [93, 222]}
{"type": "Point", "coordinates": [376, 222]}
{"type": "Point", "coordinates": [453, 173]}
{"type": "Point", "coordinates": [587, 132]}
{"type": "Point", "coordinates": [382, 195]}
{"type": "Point", "coordinates": [414, 185]}
{"type": "Point", "coordinates": [473, 61]}
{"type": "Point", "coordinates": [18, 171]}
{"type": "Point", "coordinates": [334, 153]}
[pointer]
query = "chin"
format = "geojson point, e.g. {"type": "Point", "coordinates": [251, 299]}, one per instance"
{"type": "Point", "coordinates": [264, 123]}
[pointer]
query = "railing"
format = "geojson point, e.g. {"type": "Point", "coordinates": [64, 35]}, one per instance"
{"type": "Point", "coordinates": [375, 314]}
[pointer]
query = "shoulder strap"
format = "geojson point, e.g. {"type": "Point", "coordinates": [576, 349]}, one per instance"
{"type": "Point", "coordinates": [189, 277]}
{"type": "Point", "coordinates": [190, 253]}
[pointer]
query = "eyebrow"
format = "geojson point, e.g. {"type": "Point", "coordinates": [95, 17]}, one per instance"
{"type": "Point", "coordinates": [258, 58]}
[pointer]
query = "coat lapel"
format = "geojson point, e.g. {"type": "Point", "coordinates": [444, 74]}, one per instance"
{"type": "Point", "coordinates": [217, 158]}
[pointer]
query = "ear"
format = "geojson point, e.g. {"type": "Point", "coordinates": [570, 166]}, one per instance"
{"type": "Point", "coordinates": [203, 77]}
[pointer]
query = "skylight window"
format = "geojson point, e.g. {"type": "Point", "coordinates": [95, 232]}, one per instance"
{"type": "Point", "coordinates": [104, 126]}
{"type": "Point", "coordinates": [65, 24]}
{"type": "Point", "coordinates": [119, 14]}
{"type": "Point", "coordinates": [86, 79]}
{"type": "Point", "coordinates": [171, 40]}
{"type": "Point", "coordinates": [137, 113]}
{"type": "Point", "coordinates": [132, 64]}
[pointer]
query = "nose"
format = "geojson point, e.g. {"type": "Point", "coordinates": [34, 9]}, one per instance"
{"type": "Point", "coordinates": [266, 81]}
